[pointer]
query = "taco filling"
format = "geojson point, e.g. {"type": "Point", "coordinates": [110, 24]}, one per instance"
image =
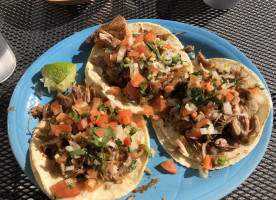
{"type": "Point", "coordinates": [213, 113]}
{"type": "Point", "coordinates": [92, 143]}
{"type": "Point", "coordinates": [138, 63]}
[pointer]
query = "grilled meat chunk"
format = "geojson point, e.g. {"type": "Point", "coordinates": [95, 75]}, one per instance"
{"type": "Point", "coordinates": [36, 111]}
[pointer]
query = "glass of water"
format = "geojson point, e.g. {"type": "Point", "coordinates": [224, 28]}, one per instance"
{"type": "Point", "coordinates": [7, 60]}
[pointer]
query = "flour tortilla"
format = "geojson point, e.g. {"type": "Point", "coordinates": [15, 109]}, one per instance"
{"type": "Point", "coordinates": [46, 174]}
{"type": "Point", "coordinates": [94, 76]}
{"type": "Point", "coordinates": [260, 106]}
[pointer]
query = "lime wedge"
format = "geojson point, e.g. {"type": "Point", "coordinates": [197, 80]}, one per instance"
{"type": "Point", "coordinates": [58, 76]}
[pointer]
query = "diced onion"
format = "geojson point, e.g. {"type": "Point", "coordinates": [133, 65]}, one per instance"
{"type": "Point", "coordinates": [112, 144]}
{"type": "Point", "coordinates": [112, 104]}
{"type": "Point", "coordinates": [168, 59]}
{"type": "Point", "coordinates": [133, 68]}
{"type": "Point", "coordinates": [96, 162]}
{"type": "Point", "coordinates": [227, 108]}
{"type": "Point", "coordinates": [128, 161]}
{"type": "Point", "coordinates": [69, 148]}
{"type": "Point", "coordinates": [203, 173]}
{"type": "Point", "coordinates": [119, 132]}
{"type": "Point", "coordinates": [69, 168]}
{"type": "Point", "coordinates": [216, 75]}
{"type": "Point", "coordinates": [200, 116]}
{"type": "Point", "coordinates": [130, 41]}
{"type": "Point", "coordinates": [161, 67]}
{"type": "Point", "coordinates": [204, 131]}
{"type": "Point", "coordinates": [121, 54]}
{"type": "Point", "coordinates": [133, 146]}
{"type": "Point", "coordinates": [191, 107]}
{"type": "Point", "coordinates": [74, 145]}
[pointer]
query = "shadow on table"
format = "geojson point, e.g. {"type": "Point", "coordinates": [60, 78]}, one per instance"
{"type": "Point", "coordinates": [194, 12]}
{"type": "Point", "coordinates": [44, 16]}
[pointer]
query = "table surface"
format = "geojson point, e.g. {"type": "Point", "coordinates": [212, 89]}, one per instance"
{"type": "Point", "coordinates": [33, 26]}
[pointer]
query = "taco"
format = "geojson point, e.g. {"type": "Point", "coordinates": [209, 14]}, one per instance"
{"type": "Point", "coordinates": [134, 64]}
{"type": "Point", "coordinates": [85, 148]}
{"type": "Point", "coordinates": [216, 118]}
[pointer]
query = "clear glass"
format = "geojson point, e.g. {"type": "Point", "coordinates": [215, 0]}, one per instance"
{"type": "Point", "coordinates": [7, 60]}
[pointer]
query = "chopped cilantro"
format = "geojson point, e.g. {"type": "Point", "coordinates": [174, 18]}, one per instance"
{"type": "Point", "coordinates": [176, 59]}
{"type": "Point", "coordinates": [64, 134]}
{"type": "Point", "coordinates": [164, 38]}
{"type": "Point", "coordinates": [135, 35]}
{"type": "Point", "coordinates": [85, 113]}
{"type": "Point", "coordinates": [154, 49]}
{"type": "Point", "coordinates": [75, 115]}
{"type": "Point", "coordinates": [259, 86]}
{"type": "Point", "coordinates": [197, 96]}
{"type": "Point", "coordinates": [133, 130]}
{"type": "Point", "coordinates": [148, 150]}
{"type": "Point", "coordinates": [198, 73]}
{"type": "Point", "coordinates": [78, 152]}
{"type": "Point", "coordinates": [133, 164]}
{"type": "Point", "coordinates": [118, 142]}
{"type": "Point", "coordinates": [127, 100]}
{"type": "Point", "coordinates": [103, 108]}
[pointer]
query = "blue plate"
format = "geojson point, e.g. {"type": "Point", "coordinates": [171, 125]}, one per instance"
{"type": "Point", "coordinates": [185, 184]}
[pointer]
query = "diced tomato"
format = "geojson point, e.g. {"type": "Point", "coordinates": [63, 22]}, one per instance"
{"type": "Point", "coordinates": [208, 162]}
{"type": "Point", "coordinates": [193, 133]}
{"type": "Point", "coordinates": [114, 55]}
{"type": "Point", "coordinates": [140, 122]}
{"type": "Point", "coordinates": [139, 39]}
{"type": "Point", "coordinates": [83, 124]}
{"type": "Point", "coordinates": [205, 75]}
{"type": "Point", "coordinates": [55, 129]}
{"type": "Point", "coordinates": [137, 79]}
{"type": "Point", "coordinates": [107, 104]}
{"type": "Point", "coordinates": [127, 141]}
{"type": "Point", "coordinates": [77, 108]}
{"type": "Point", "coordinates": [116, 91]}
{"type": "Point", "coordinates": [134, 155]}
{"type": "Point", "coordinates": [112, 123]}
{"type": "Point", "coordinates": [218, 83]}
{"type": "Point", "coordinates": [56, 108]}
{"type": "Point", "coordinates": [90, 125]}
{"type": "Point", "coordinates": [94, 114]}
{"type": "Point", "coordinates": [230, 97]}
{"type": "Point", "coordinates": [125, 116]}
{"type": "Point", "coordinates": [62, 117]}
{"type": "Point", "coordinates": [168, 46]}
{"type": "Point", "coordinates": [149, 37]}
{"type": "Point", "coordinates": [78, 102]}
{"type": "Point", "coordinates": [209, 87]}
{"type": "Point", "coordinates": [62, 159]}
{"type": "Point", "coordinates": [182, 70]}
{"type": "Point", "coordinates": [148, 111]}
{"type": "Point", "coordinates": [153, 69]}
{"type": "Point", "coordinates": [102, 120]}
{"type": "Point", "coordinates": [194, 115]}
{"type": "Point", "coordinates": [255, 90]}
{"type": "Point", "coordinates": [168, 89]}
{"type": "Point", "coordinates": [141, 146]}
{"type": "Point", "coordinates": [185, 112]}
{"type": "Point", "coordinates": [193, 79]}
{"type": "Point", "coordinates": [169, 166]}
{"type": "Point", "coordinates": [142, 49]}
{"type": "Point", "coordinates": [62, 190]}
{"type": "Point", "coordinates": [162, 103]}
{"type": "Point", "coordinates": [92, 184]}
{"type": "Point", "coordinates": [131, 91]}
{"type": "Point", "coordinates": [134, 54]}
{"type": "Point", "coordinates": [203, 85]}
{"type": "Point", "coordinates": [100, 132]}
{"type": "Point", "coordinates": [202, 123]}
{"type": "Point", "coordinates": [92, 173]}
{"type": "Point", "coordinates": [125, 42]}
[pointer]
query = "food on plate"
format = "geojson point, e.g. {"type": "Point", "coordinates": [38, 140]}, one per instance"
{"type": "Point", "coordinates": [216, 118]}
{"type": "Point", "coordinates": [144, 188]}
{"type": "Point", "coordinates": [58, 76]}
{"type": "Point", "coordinates": [136, 64]}
{"type": "Point", "coordinates": [169, 166]}
{"type": "Point", "coordinates": [85, 148]}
